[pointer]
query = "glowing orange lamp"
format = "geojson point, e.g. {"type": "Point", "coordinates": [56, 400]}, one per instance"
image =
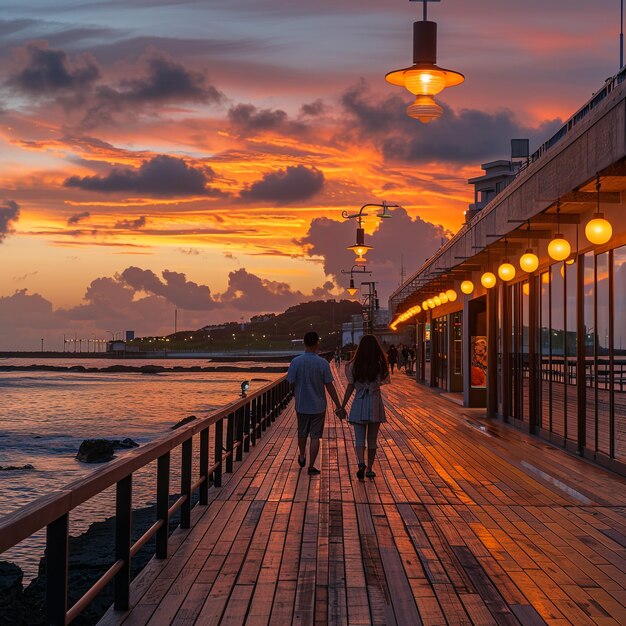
{"type": "Point", "coordinates": [424, 79]}
{"type": "Point", "coordinates": [359, 248]}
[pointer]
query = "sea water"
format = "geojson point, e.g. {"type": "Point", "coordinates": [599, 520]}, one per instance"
{"type": "Point", "coordinates": [44, 417]}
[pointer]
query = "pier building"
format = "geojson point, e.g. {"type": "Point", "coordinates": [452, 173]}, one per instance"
{"type": "Point", "coordinates": [539, 337]}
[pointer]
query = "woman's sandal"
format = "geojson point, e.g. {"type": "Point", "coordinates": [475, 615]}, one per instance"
{"type": "Point", "coordinates": [370, 473]}
{"type": "Point", "coordinates": [361, 472]}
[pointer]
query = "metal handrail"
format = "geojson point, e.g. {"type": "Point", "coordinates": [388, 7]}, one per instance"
{"type": "Point", "coordinates": [246, 419]}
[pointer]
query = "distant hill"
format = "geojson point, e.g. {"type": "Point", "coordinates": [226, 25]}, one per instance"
{"type": "Point", "coordinates": [266, 331]}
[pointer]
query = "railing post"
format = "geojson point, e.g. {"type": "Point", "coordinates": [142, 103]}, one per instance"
{"type": "Point", "coordinates": [56, 570]}
{"type": "Point", "coordinates": [239, 433]}
{"type": "Point", "coordinates": [123, 527]}
{"type": "Point", "coordinates": [185, 483]}
{"type": "Point", "coordinates": [230, 437]}
{"type": "Point", "coordinates": [259, 417]}
{"type": "Point", "coordinates": [246, 427]}
{"type": "Point", "coordinates": [163, 497]}
{"type": "Point", "coordinates": [204, 466]}
{"type": "Point", "coordinates": [217, 452]}
{"type": "Point", "coordinates": [253, 421]}
{"type": "Point", "coordinates": [273, 395]}
{"type": "Point", "coordinates": [264, 411]}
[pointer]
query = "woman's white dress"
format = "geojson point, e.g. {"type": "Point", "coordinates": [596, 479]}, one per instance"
{"type": "Point", "coordinates": [367, 405]}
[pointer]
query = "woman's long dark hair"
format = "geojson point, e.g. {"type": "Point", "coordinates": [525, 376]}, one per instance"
{"type": "Point", "coordinates": [369, 361]}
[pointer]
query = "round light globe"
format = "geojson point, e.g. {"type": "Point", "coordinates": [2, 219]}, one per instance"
{"type": "Point", "coordinates": [559, 248]}
{"type": "Point", "coordinates": [451, 295]}
{"type": "Point", "coordinates": [467, 286]}
{"type": "Point", "coordinates": [488, 280]}
{"type": "Point", "coordinates": [423, 82]}
{"type": "Point", "coordinates": [598, 230]}
{"type": "Point", "coordinates": [425, 305]}
{"type": "Point", "coordinates": [424, 109]}
{"type": "Point", "coordinates": [431, 303]}
{"type": "Point", "coordinates": [437, 300]}
{"type": "Point", "coordinates": [506, 271]}
{"type": "Point", "coordinates": [443, 298]}
{"type": "Point", "coordinates": [529, 261]}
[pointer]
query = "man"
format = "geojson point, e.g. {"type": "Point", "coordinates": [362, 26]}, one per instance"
{"type": "Point", "coordinates": [309, 375]}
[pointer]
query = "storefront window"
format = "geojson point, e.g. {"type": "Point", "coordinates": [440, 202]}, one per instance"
{"type": "Point", "coordinates": [557, 348]}
{"type": "Point", "coordinates": [619, 367]}
{"type": "Point", "coordinates": [603, 364]}
{"type": "Point", "coordinates": [525, 349]}
{"type": "Point", "coordinates": [589, 323]}
{"type": "Point", "coordinates": [543, 414]}
{"type": "Point", "coordinates": [571, 400]}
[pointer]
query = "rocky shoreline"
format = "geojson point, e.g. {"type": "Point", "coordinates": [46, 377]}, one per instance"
{"type": "Point", "coordinates": [90, 555]}
{"type": "Point", "coordinates": [143, 369]}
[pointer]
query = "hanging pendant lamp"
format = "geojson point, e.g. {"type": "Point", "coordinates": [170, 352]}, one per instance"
{"type": "Point", "coordinates": [529, 261]}
{"type": "Point", "coordinates": [598, 229]}
{"type": "Point", "coordinates": [424, 79]}
{"type": "Point", "coordinates": [559, 248]}
{"type": "Point", "coordinates": [506, 271]}
{"type": "Point", "coordinates": [488, 279]}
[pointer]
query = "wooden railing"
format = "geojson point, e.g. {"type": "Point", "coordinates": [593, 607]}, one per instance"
{"type": "Point", "coordinates": [246, 420]}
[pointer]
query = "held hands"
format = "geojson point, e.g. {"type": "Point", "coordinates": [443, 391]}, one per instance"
{"type": "Point", "coordinates": [340, 412]}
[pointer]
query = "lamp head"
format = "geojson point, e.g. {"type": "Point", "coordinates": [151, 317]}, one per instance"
{"type": "Point", "coordinates": [467, 287]}
{"type": "Point", "coordinates": [559, 248]}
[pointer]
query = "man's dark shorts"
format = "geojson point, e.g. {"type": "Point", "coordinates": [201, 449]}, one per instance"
{"type": "Point", "coordinates": [311, 424]}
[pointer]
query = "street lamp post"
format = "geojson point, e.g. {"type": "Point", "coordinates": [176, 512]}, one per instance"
{"type": "Point", "coordinates": [356, 269]}
{"type": "Point", "coordinates": [359, 248]}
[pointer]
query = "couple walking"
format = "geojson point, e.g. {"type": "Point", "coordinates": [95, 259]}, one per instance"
{"type": "Point", "coordinates": [311, 376]}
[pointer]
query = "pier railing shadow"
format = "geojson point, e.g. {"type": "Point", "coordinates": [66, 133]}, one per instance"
{"type": "Point", "coordinates": [246, 420]}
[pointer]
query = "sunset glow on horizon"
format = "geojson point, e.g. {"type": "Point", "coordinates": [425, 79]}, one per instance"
{"type": "Point", "coordinates": [163, 154]}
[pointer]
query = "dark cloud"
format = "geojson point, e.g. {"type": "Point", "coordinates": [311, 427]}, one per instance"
{"type": "Point", "coordinates": [174, 287]}
{"type": "Point", "coordinates": [49, 72]}
{"type": "Point", "coordinates": [165, 80]}
{"type": "Point", "coordinates": [249, 292]}
{"type": "Point", "coordinates": [140, 222]}
{"type": "Point", "coordinates": [313, 109]}
{"type": "Point", "coordinates": [163, 176]}
{"type": "Point", "coordinates": [75, 219]}
{"type": "Point", "coordinates": [293, 184]}
{"type": "Point", "coordinates": [249, 119]}
{"type": "Point", "coordinates": [9, 214]}
{"type": "Point", "coordinates": [465, 136]}
{"type": "Point", "coordinates": [401, 239]}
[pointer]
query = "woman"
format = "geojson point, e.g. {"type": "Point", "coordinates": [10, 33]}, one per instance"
{"type": "Point", "coordinates": [367, 371]}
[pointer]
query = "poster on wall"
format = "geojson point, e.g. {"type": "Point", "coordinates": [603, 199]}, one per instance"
{"type": "Point", "coordinates": [479, 362]}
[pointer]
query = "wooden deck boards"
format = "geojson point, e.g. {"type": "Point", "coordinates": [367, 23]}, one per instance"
{"type": "Point", "coordinates": [467, 522]}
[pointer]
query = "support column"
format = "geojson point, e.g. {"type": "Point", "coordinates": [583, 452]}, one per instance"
{"type": "Point", "coordinates": [492, 353]}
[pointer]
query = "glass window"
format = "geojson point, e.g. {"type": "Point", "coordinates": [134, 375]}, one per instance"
{"type": "Point", "coordinates": [619, 353]}
{"type": "Point", "coordinates": [543, 414]}
{"type": "Point", "coordinates": [603, 365]}
{"type": "Point", "coordinates": [571, 400]}
{"type": "Point", "coordinates": [557, 348]}
{"type": "Point", "coordinates": [589, 318]}
{"type": "Point", "coordinates": [525, 348]}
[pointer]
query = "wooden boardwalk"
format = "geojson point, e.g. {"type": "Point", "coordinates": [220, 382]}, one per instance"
{"type": "Point", "coordinates": [468, 522]}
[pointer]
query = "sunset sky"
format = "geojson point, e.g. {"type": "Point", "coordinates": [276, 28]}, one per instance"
{"type": "Point", "coordinates": [162, 154]}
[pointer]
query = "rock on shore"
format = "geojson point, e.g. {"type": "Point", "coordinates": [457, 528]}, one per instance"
{"type": "Point", "coordinates": [102, 450]}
